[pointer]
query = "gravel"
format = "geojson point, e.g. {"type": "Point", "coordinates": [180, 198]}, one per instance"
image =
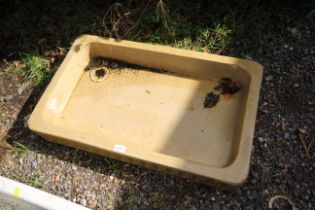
{"type": "Point", "coordinates": [279, 164]}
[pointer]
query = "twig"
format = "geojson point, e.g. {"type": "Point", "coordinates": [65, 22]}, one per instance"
{"type": "Point", "coordinates": [312, 142]}
{"type": "Point", "coordinates": [277, 174]}
{"type": "Point", "coordinates": [304, 145]}
{"type": "Point", "coordinates": [276, 197]}
{"type": "Point", "coordinates": [115, 15]}
{"type": "Point", "coordinates": [162, 8]}
{"type": "Point", "coordinates": [139, 19]}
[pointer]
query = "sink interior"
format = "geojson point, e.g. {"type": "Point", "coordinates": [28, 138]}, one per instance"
{"type": "Point", "coordinates": [158, 111]}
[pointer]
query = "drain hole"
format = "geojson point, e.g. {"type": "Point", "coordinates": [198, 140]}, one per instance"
{"type": "Point", "coordinates": [100, 73]}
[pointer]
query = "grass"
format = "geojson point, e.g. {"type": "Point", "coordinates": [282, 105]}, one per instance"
{"type": "Point", "coordinates": [109, 197]}
{"type": "Point", "coordinates": [114, 166]}
{"type": "Point", "coordinates": [130, 203]}
{"type": "Point", "coordinates": [15, 71]}
{"type": "Point", "coordinates": [4, 149]}
{"type": "Point", "coordinates": [215, 39]}
{"type": "Point", "coordinates": [37, 68]}
{"type": "Point", "coordinates": [30, 67]}
{"type": "Point", "coordinates": [20, 147]}
{"type": "Point", "coordinates": [37, 183]}
{"type": "Point", "coordinates": [5, 145]}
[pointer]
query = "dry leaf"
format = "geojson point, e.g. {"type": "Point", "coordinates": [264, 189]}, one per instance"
{"type": "Point", "coordinates": [17, 64]}
{"type": "Point", "coordinates": [52, 60]}
{"type": "Point", "coordinates": [57, 178]}
{"type": "Point", "coordinates": [61, 50]}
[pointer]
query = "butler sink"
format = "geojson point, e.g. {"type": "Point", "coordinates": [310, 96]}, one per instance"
{"type": "Point", "coordinates": [185, 113]}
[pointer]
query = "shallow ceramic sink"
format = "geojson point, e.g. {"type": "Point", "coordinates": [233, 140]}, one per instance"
{"type": "Point", "coordinates": [177, 120]}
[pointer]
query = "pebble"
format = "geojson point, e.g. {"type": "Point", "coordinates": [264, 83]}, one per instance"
{"type": "Point", "coordinates": [92, 204]}
{"type": "Point", "coordinates": [6, 98]}
{"type": "Point", "coordinates": [301, 130]}
{"type": "Point", "coordinates": [261, 139]}
{"type": "Point", "coordinates": [269, 78]}
{"type": "Point", "coordinates": [293, 31]}
{"type": "Point", "coordinates": [266, 192]}
{"type": "Point", "coordinates": [296, 85]}
{"type": "Point", "coordinates": [23, 87]}
{"type": "Point", "coordinates": [188, 198]}
{"type": "Point", "coordinates": [286, 136]}
{"type": "Point", "coordinates": [83, 202]}
{"type": "Point", "coordinates": [34, 164]}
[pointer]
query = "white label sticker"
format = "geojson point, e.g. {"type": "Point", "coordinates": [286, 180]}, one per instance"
{"type": "Point", "coordinates": [120, 148]}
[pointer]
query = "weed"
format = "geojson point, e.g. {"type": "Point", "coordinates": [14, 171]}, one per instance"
{"type": "Point", "coordinates": [265, 182]}
{"type": "Point", "coordinates": [128, 177]}
{"type": "Point", "coordinates": [114, 166]}
{"type": "Point", "coordinates": [215, 39]}
{"type": "Point", "coordinates": [130, 203]}
{"type": "Point", "coordinates": [15, 71]}
{"type": "Point", "coordinates": [161, 12]}
{"type": "Point", "coordinates": [76, 179]}
{"type": "Point", "coordinates": [187, 43]}
{"type": "Point", "coordinates": [37, 183]}
{"type": "Point", "coordinates": [5, 148]}
{"type": "Point", "coordinates": [21, 147]}
{"type": "Point", "coordinates": [109, 197]}
{"type": "Point", "coordinates": [180, 187]}
{"type": "Point", "coordinates": [212, 206]}
{"type": "Point", "coordinates": [77, 160]}
{"type": "Point", "coordinates": [5, 145]}
{"type": "Point", "coordinates": [37, 68]}
{"type": "Point", "coordinates": [3, 133]}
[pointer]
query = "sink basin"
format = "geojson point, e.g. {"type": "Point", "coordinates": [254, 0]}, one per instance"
{"type": "Point", "coordinates": [181, 112]}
